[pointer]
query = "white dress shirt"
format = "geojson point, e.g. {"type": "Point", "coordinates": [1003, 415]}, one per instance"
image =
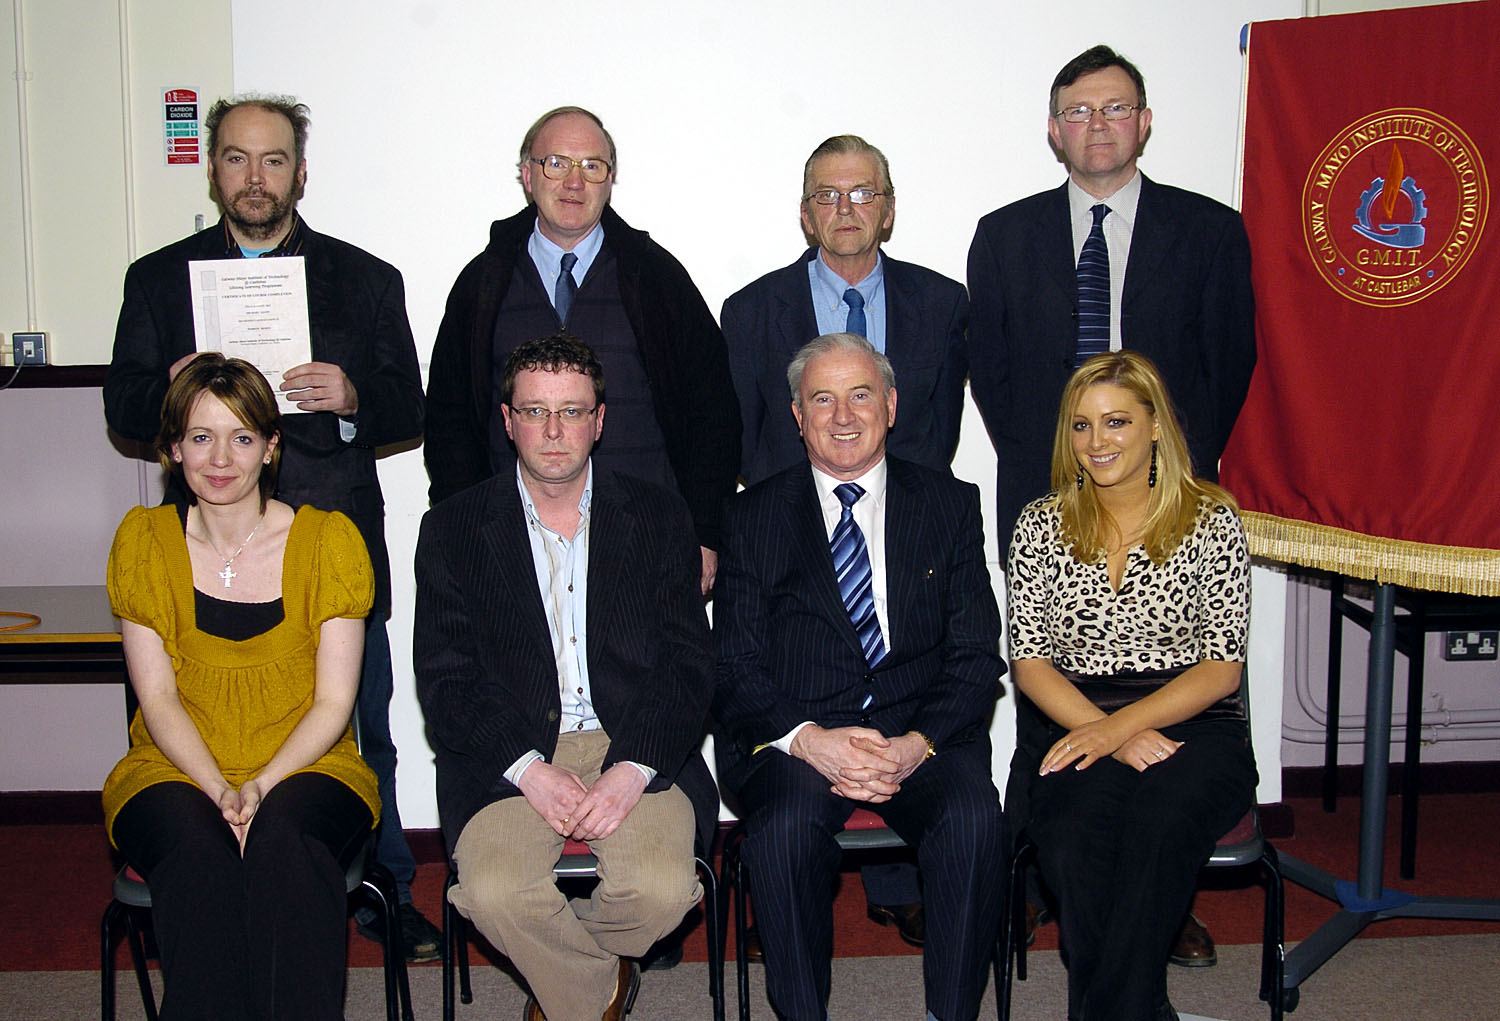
{"type": "Point", "coordinates": [1119, 225]}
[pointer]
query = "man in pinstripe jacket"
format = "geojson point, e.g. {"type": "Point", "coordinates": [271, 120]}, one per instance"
{"type": "Point", "coordinates": [866, 684]}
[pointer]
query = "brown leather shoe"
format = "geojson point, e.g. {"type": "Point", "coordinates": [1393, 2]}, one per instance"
{"type": "Point", "coordinates": [626, 985]}
{"type": "Point", "coordinates": [753, 952]}
{"type": "Point", "coordinates": [909, 920]}
{"type": "Point", "coordinates": [533, 1010]}
{"type": "Point", "coordinates": [1194, 947]}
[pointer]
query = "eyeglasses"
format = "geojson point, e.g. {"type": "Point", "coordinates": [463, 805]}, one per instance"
{"type": "Point", "coordinates": [831, 196]}
{"type": "Point", "coordinates": [556, 167]}
{"type": "Point", "coordinates": [540, 416]}
{"type": "Point", "coordinates": [1084, 114]}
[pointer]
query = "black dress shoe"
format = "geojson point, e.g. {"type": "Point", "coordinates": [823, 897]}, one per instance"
{"type": "Point", "coordinates": [909, 920]}
{"type": "Point", "coordinates": [1194, 947]}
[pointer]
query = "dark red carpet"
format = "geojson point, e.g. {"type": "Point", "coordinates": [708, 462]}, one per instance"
{"type": "Point", "coordinates": [57, 878]}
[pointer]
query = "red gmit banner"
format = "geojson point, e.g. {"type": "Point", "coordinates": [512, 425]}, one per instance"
{"type": "Point", "coordinates": [1369, 443]}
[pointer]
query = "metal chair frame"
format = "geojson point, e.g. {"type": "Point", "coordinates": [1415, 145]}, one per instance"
{"type": "Point", "coordinates": [364, 877]}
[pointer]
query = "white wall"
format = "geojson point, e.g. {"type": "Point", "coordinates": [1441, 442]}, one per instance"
{"type": "Point", "coordinates": [714, 109]}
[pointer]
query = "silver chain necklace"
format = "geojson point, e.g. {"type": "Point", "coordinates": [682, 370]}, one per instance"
{"type": "Point", "coordinates": [228, 574]}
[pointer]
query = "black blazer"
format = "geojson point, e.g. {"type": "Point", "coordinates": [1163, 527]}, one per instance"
{"type": "Point", "coordinates": [681, 348]}
{"type": "Point", "coordinates": [926, 316]}
{"type": "Point", "coordinates": [356, 309]}
{"type": "Point", "coordinates": [1187, 305]}
{"type": "Point", "coordinates": [482, 651]}
{"type": "Point", "coordinates": [787, 650]}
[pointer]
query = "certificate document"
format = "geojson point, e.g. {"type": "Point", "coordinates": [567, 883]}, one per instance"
{"type": "Point", "coordinates": [255, 309]}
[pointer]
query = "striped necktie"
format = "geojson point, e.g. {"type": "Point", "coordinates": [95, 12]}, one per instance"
{"type": "Point", "coordinates": [856, 321]}
{"type": "Point", "coordinates": [851, 565]}
{"type": "Point", "coordinates": [566, 287]}
{"type": "Point", "coordinates": [1093, 290]}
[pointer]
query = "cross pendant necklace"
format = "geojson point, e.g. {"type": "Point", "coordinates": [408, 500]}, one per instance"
{"type": "Point", "coordinates": [229, 574]}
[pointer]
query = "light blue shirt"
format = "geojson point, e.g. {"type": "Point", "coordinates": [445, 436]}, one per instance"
{"type": "Point", "coordinates": [547, 257]}
{"type": "Point", "coordinates": [562, 578]}
{"type": "Point", "coordinates": [828, 299]}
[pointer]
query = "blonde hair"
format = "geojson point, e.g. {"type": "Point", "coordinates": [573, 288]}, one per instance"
{"type": "Point", "coordinates": [1177, 499]}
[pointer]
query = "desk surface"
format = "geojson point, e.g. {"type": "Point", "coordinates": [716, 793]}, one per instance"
{"type": "Point", "coordinates": [70, 613]}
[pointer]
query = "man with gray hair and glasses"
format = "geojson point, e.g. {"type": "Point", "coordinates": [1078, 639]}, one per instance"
{"type": "Point", "coordinates": [567, 262]}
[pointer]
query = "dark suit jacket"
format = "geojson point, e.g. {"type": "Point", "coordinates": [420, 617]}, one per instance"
{"type": "Point", "coordinates": [486, 676]}
{"type": "Point", "coordinates": [356, 309]}
{"type": "Point", "coordinates": [681, 347]}
{"type": "Point", "coordinates": [926, 315]}
{"type": "Point", "coordinates": [1187, 305]}
{"type": "Point", "coordinates": [787, 650]}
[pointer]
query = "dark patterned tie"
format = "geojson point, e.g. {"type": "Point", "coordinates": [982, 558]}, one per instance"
{"type": "Point", "coordinates": [856, 321]}
{"type": "Point", "coordinates": [851, 565]}
{"type": "Point", "coordinates": [1093, 290]}
{"type": "Point", "coordinates": [562, 294]}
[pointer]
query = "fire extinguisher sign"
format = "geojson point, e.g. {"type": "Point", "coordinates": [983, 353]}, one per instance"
{"type": "Point", "coordinates": [180, 127]}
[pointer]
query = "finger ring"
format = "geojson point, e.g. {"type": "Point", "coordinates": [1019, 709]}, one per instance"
{"type": "Point", "coordinates": [1159, 753]}
{"type": "Point", "coordinates": [565, 818]}
{"type": "Point", "coordinates": [1068, 745]}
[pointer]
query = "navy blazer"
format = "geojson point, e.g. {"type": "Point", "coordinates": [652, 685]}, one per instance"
{"type": "Point", "coordinates": [482, 650]}
{"type": "Point", "coordinates": [356, 310]}
{"type": "Point", "coordinates": [926, 316]}
{"type": "Point", "coordinates": [1187, 305]}
{"type": "Point", "coordinates": [787, 649]}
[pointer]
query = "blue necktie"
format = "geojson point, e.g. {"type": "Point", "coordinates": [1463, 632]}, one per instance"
{"type": "Point", "coordinates": [1093, 290]}
{"type": "Point", "coordinates": [856, 321]}
{"type": "Point", "coordinates": [562, 294]}
{"type": "Point", "coordinates": [851, 565]}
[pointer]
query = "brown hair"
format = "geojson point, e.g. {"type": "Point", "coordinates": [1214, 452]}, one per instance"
{"type": "Point", "coordinates": [557, 353]}
{"type": "Point", "coordinates": [243, 390]}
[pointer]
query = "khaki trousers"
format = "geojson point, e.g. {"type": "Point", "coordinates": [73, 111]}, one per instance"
{"type": "Point", "coordinates": [568, 951]}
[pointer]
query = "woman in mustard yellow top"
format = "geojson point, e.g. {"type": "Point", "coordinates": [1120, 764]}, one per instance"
{"type": "Point", "coordinates": [242, 798]}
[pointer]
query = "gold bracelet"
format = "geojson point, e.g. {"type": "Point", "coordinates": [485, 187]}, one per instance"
{"type": "Point", "coordinates": [931, 751]}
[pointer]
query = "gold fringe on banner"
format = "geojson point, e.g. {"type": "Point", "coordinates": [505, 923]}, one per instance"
{"type": "Point", "coordinates": [1421, 565]}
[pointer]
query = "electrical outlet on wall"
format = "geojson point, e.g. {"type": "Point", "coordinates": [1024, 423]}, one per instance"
{"type": "Point", "coordinates": [1471, 645]}
{"type": "Point", "coordinates": [28, 348]}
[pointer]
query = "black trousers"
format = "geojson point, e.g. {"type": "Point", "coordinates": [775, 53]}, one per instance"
{"type": "Point", "coordinates": [257, 937]}
{"type": "Point", "coordinates": [948, 810]}
{"type": "Point", "coordinates": [1122, 849]}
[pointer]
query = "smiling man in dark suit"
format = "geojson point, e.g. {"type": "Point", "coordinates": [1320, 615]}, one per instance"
{"type": "Point", "coordinates": [858, 664]}
{"type": "Point", "coordinates": [914, 316]}
{"type": "Point", "coordinates": [563, 665]}
{"type": "Point", "coordinates": [1109, 260]}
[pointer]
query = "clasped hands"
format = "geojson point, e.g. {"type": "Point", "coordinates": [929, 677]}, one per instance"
{"type": "Point", "coordinates": [238, 808]}
{"type": "Point", "coordinates": [1082, 746]}
{"type": "Point", "coordinates": [861, 764]}
{"type": "Point", "coordinates": [576, 810]}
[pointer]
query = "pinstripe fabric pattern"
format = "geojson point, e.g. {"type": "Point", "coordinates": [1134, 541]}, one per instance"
{"type": "Point", "coordinates": [789, 653]}
{"type": "Point", "coordinates": [1093, 289]}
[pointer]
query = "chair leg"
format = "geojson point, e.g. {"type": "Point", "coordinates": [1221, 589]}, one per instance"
{"type": "Point", "coordinates": [732, 879]}
{"type": "Point", "coordinates": [450, 947]}
{"type": "Point", "coordinates": [711, 930]}
{"type": "Point", "coordinates": [107, 960]}
{"type": "Point", "coordinates": [137, 944]}
{"type": "Point", "coordinates": [1273, 949]}
{"type": "Point", "coordinates": [1013, 931]}
{"type": "Point", "coordinates": [381, 887]}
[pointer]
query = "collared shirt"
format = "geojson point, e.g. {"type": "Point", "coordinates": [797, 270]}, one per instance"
{"type": "Point", "coordinates": [562, 573]}
{"type": "Point", "coordinates": [828, 300]}
{"type": "Point", "coordinates": [546, 255]}
{"type": "Point", "coordinates": [869, 515]}
{"type": "Point", "coordinates": [1119, 225]}
{"type": "Point", "coordinates": [290, 245]}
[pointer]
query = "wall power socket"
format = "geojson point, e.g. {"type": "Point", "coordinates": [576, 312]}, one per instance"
{"type": "Point", "coordinates": [28, 348]}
